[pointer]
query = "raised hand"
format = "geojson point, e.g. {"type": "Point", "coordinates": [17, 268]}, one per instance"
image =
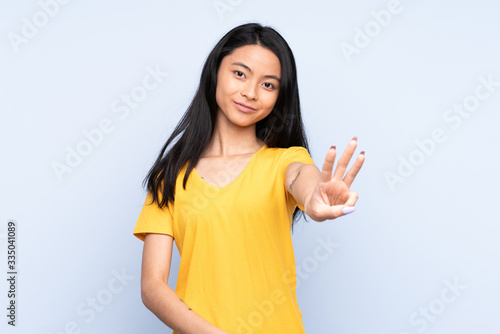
{"type": "Point", "coordinates": [332, 197]}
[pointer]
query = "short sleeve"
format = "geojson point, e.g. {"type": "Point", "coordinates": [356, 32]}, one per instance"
{"type": "Point", "coordinates": [295, 154]}
{"type": "Point", "coordinates": [154, 219]}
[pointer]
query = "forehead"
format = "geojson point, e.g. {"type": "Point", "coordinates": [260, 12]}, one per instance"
{"type": "Point", "coordinates": [256, 57]}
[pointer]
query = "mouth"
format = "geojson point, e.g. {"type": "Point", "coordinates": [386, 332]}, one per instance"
{"type": "Point", "coordinates": [244, 107]}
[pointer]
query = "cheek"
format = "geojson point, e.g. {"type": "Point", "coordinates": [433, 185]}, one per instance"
{"type": "Point", "coordinates": [223, 89]}
{"type": "Point", "coordinates": [270, 100]}
{"type": "Point", "coordinates": [219, 94]}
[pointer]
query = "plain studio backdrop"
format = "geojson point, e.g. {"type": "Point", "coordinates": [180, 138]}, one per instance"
{"type": "Point", "coordinates": [90, 91]}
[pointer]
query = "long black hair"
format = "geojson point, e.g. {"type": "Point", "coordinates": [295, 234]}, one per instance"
{"type": "Point", "coordinates": [283, 127]}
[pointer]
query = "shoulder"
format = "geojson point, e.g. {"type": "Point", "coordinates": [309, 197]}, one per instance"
{"type": "Point", "coordinates": [282, 157]}
{"type": "Point", "coordinates": [286, 151]}
{"type": "Point", "coordinates": [293, 153]}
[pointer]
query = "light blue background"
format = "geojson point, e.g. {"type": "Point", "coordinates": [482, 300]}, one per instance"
{"type": "Point", "coordinates": [396, 250]}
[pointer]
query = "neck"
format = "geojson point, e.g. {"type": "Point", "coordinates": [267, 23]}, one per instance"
{"type": "Point", "coordinates": [229, 139]}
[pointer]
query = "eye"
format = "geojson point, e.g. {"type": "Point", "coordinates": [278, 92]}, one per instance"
{"type": "Point", "coordinates": [269, 85]}
{"type": "Point", "coordinates": [239, 74]}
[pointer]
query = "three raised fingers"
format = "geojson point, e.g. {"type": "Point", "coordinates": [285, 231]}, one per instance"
{"type": "Point", "coordinates": [326, 172]}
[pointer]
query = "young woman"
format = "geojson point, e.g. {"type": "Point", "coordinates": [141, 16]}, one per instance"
{"type": "Point", "coordinates": [229, 190]}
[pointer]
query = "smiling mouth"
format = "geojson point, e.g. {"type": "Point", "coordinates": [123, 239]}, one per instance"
{"type": "Point", "coordinates": [243, 107]}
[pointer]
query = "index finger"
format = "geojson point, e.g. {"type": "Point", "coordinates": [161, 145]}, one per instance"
{"type": "Point", "coordinates": [326, 171]}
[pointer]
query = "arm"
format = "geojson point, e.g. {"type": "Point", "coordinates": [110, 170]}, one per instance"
{"type": "Point", "coordinates": [322, 195]}
{"type": "Point", "coordinates": [301, 179]}
{"type": "Point", "coordinates": [160, 298]}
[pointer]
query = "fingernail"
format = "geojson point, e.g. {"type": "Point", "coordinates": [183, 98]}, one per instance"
{"type": "Point", "coordinates": [348, 209]}
{"type": "Point", "coordinates": [362, 152]}
{"type": "Point", "coordinates": [333, 146]}
{"type": "Point", "coordinates": [355, 138]}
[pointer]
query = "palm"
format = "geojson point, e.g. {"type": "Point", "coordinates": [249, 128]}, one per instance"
{"type": "Point", "coordinates": [332, 193]}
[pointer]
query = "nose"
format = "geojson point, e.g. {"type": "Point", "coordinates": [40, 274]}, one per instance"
{"type": "Point", "coordinates": [250, 92]}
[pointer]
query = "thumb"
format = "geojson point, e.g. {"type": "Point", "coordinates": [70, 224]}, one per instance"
{"type": "Point", "coordinates": [349, 205]}
{"type": "Point", "coordinates": [348, 209]}
{"type": "Point", "coordinates": [337, 211]}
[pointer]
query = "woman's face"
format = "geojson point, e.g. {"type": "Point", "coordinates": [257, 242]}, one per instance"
{"type": "Point", "coordinates": [249, 76]}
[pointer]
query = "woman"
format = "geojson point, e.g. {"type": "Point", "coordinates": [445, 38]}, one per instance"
{"type": "Point", "coordinates": [238, 172]}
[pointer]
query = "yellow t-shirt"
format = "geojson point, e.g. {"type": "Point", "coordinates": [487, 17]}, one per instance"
{"type": "Point", "coordinates": [237, 267]}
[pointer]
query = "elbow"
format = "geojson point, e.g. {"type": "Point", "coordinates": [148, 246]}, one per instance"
{"type": "Point", "coordinates": [145, 288]}
{"type": "Point", "coordinates": [149, 292]}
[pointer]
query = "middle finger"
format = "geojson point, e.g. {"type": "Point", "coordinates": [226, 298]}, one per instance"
{"type": "Point", "coordinates": [345, 158]}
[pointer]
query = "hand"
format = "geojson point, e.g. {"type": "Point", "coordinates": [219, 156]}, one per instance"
{"type": "Point", "coordinates": [332, 198]}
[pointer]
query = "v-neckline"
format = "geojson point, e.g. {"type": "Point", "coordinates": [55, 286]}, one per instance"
{"type": "Point", "coordinates": [240, 176]}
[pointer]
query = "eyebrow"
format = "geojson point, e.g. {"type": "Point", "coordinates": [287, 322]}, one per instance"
{"type": "Point", "coordinates": [265, 76]}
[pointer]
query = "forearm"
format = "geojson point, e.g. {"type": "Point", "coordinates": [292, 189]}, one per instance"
{"type": "Point", "coordinates": [166, 304]}
{"type": "Point", "coordinates": [302, 186]}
